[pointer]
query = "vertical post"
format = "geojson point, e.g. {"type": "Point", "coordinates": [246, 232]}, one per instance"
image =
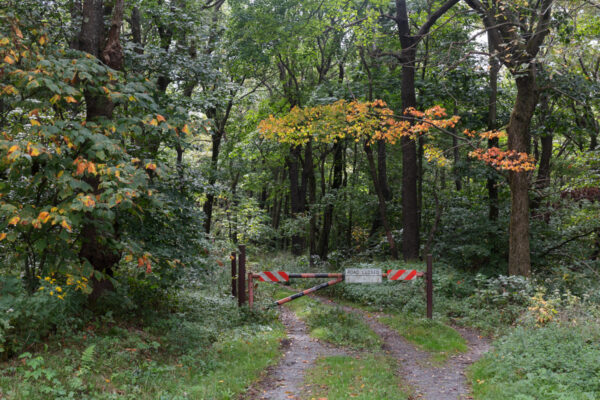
{"type": "Point", "coordinates": [250, 290]}
{"type": "Point", "coordinates": [233, 275]}
{"type": "Point", "coordinates": [429, 286]}
{"type": "Point", "coordinates": [242, 276]}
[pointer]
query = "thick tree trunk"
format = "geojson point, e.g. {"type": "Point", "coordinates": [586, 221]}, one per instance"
{"type": "Point", "coordinates": [93, 39]}
{"type": "Point", "coordinates": [410, 204]}
{"type": "Point", "coordinates": [519, 262]}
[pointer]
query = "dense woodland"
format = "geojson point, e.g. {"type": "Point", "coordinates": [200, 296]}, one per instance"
{"type": "Point", "coordinates": [142, 141]}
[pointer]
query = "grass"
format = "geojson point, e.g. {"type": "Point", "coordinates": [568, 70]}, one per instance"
{"type": "Point", "coordinates": [440, 340]}
{"type": "Point", "coordinates": [369, 377]}
{"type": "Point", "coordinates": [332, 324]}
{"type": "Point", "coordinates": [209, 349]}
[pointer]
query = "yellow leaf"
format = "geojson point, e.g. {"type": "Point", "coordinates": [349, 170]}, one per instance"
{"type": "Point", "coordinates": [42, 40]}
{"type": "Point", "coordinates": [151, 166]}
{"type": "Point", "coordinates": [154, 122]}
{"type": "Point", "coordinates": [66, 225]}
{"type": "Point", "coordinates": [70, 99]}
{"type": "Point", "coordinates": [2, 236]}
{"type": "Point", "coordinates": [9, 60]}
{"type": "Point", "coordinates": [35, 122]}
{"type": "Point", "coordinates": [14, 220]}
{"type": "Point", "coordinates": [131, 98]}
{"type": "Point", "coordinates": [13, 148]}
{"type": "Point", "coordinates": [34, 152]}
{"type": "Point", "coordinates": [160, 118]}
{"type": "Point", "coordinates": [185, 129]}
{"type": "Point", "coordinates": [4, 41]}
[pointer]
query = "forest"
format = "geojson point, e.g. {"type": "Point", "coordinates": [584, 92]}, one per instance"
{"type": "Point", "coordinates": [148, 146]}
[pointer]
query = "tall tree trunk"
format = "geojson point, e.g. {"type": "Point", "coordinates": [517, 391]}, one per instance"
{"type": "Point", "coordinates": [93, 39]}
{"type": "Point", "coordinates": [492, 187]}
{"type": "Point", "coordinates": [297, 197]}
{"type": "Point", "coordinates": [207, 207]}
{"type": "Point", "coordinates": [408, 43]}
{"type": "Point", "coordinates": [410, 204]}
{"type": "Point", "coordinates": [519, 262]}
{"type": "Point", "coordinates": [309, 172]}
{"type": "Point", "coordinates": [381, 201]}
{"type": "Point", "coordinates": [338, 167]}
{"type": "Point", "coordinates": [543, 178]}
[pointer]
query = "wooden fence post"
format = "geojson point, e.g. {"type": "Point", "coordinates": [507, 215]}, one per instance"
{"type": "Point", "coordinates": [242, 276]}
{"type": "Point", "coordinates": [233, 275]}
{"type": "Point", "coordinates": [429, 286]}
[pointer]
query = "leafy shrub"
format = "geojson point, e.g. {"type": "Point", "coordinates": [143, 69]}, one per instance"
{"type": "Point", "coordinates": [553, 362]}
{"type": "Point", "coordinates": [26, 318]}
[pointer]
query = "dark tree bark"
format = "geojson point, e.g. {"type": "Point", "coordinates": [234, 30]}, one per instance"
{"type": "Point", "coordinates": [519, 261]}
{"type": "Point", "coordinates": [338, 166]}
{"type": "Point", "coordinates": [297, 195]}
{"type": "Point", "coordinates": [381, 201]}
{"type": "Point", "coordinates": [409, 43]}
{"type": "Point", "coordinates": [518, 51]}
{"type": "Point", "coordinates": [93, 39]}
{"type": "Point", "coordinates": [492, 187]}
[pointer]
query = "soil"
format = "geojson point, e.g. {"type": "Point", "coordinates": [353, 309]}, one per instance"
{"type": "Point", "coordinates": [427, 380]}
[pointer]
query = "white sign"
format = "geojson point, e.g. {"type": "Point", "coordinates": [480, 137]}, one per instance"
{"type": "Point", "coordinates": [362, 275]}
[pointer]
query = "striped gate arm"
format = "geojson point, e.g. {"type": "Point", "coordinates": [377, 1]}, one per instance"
{"type": "Point", "coordinates": [273, 276]}
{"type": "Point", "coordinates": [403, 274]}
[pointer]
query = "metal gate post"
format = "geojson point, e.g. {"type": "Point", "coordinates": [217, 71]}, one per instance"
{"type": "Point", "coordinates": [233, 275]}
{"type": "Point", "coordinates": [250, 290]}
{"type": "Point", "coordinates": [242, 276]}
{"type": "Point", "coordinates": [429, 286]}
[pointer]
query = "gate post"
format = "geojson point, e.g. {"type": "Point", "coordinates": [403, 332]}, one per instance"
{"type": "Point", "coordinates": [233, 275]}
{"type": "Point", "coordinates": [250, 290]}
{"type": "Point", "coordinates": [429, 286]}
{"type": "Point", "coordinates": [242, 276]}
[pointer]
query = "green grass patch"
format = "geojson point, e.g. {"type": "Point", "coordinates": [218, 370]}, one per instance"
{"type": "Point", "coordinates": [369, 377]}
{"type": "Point", "coordinates": [550, 363]}
{"type": "Point", "coordinates": [433, 336]}
{"type": "Point", "coordinates": [332, 324]}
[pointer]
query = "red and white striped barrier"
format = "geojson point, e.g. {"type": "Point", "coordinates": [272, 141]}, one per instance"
{"type": "Point", "coordinates": [403, 274]}
{"type": "Point", "coordinates": [273, 276]}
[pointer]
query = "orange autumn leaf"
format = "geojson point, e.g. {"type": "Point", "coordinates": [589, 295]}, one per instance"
{"type": "Point", "coordinates": [160, 118]}
{"type": "Point", "coordinates": [66, 225]}
{"type": "Point", "coordinates": [2, 236]}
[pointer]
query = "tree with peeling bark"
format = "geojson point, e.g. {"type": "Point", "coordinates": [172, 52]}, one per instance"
{"type": "Point", "coordinates": [516, 33]}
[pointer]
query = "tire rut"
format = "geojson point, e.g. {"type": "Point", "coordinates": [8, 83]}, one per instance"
{"type": "Point", "coordinates": [429, 381]}
{"type": "Point", "coordinates": [285, 380]}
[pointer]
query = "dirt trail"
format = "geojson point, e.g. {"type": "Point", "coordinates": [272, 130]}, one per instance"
{"type": "Point", "coordinates": [284, 381]}
{"type": "Point", "coordinates": [431, 382]}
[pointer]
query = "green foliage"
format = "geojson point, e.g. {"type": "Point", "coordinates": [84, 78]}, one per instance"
{"type": "Point", "coordinates": [553, 362]}
{"type": "Point", "coordinates": [199, 344]}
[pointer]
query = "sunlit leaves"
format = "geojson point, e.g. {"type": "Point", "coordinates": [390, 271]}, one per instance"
{"type": "Point", "coordinates": [367, 121]}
